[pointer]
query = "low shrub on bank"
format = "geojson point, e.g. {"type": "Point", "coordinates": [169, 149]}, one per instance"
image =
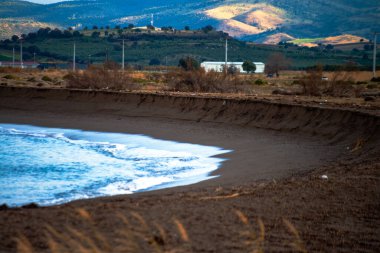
{"type": "Point", "coordinates": [199, 80]}
{"type": "Point", "coordinates": [46, 79]}
{"type": "Point", "coordinates": [260, 82]}
{"type": "Point", "coordinates": [339, 85]}
{"type": "Point", "coordinates": [100, 78]}
{"type": "Point", "coordinates": [9, 76]}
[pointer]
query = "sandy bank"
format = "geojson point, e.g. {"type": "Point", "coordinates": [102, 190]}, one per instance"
{"type": "Point", "coordinates": [304, 138]}
{"type": "Point", "coordinates": [293, 144]}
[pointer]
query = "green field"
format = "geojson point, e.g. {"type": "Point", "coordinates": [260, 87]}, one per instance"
{"type": "Point", "coordinates": [141, 48]}
{"type": "Point", "coordinates": [306, 40]}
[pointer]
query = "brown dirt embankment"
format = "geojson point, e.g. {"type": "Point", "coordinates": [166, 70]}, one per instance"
{"type": "Point", "coordinates": [323, 120]}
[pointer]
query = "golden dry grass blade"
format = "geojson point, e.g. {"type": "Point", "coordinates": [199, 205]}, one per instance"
{"type": "Point", "coordinates": [182, 231]}
{"type": "Point", "coordinates": [262, 229]}
{"type": "Point", "coordinates": [23, 245]}
{"type": "Point", "coordinates": [129, 243]}
{"type": "Point", "coordinates": [54, 246]}
{"type": "Point", "coordinates": [221, 197]}
{"type": "Point", "coordinates": [84, 213]}
{"type": "Point", "coordinates": [358, 145]}
{"type": "Point", "coordinates": [161, 231]}
{"type": "Point", "coordinates": [291, 228]}
{"type": "Point", "coordinates": [61, 237]}
{"type": "Point", "coordinates": [242, 217]}
{"type": "Point", "coordinates": [297, 244]}
{"type": "Point", "coordinates": [84, 239]}
{"type": "Point", "coordinates": [140, 219]}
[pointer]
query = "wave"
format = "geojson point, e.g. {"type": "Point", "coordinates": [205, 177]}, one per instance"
{"type": "Point", "coordinates": [53, 165]}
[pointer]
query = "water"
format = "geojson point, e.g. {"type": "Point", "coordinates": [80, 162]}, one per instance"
{"type": "Point", "coordinates": [51, 166]}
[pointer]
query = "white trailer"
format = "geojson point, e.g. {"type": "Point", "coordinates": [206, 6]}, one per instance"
{"type": "Point", "coordinates": [219, 66]}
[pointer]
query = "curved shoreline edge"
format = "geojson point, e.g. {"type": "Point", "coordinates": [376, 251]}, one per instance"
{"type": "Point", "coordinates": [325, 120]}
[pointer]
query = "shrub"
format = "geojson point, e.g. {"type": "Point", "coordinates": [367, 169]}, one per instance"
{"type": "Point", "coordinates": [375, 79]}
{"type": "Point", "coordinates": [340, 84]}
{"type": "Point", "coordinates": [249, 66]}
{"type": "Point", "coordinates": [372, 86]}
{"type": "Point", "coordinates": [46, 79]}
{"type": "Point", "coordinates": [201, 81]}
{"type": "Point", "coordinates": [101, 78]}
{"type": "Point", "coordinates": [9, 76]}
{"type": "Point", "coordinates": [188, 64]}
{"type": "Point", "coordinates": [260, 82]}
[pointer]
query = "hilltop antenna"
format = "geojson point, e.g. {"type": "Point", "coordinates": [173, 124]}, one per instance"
{"type": "Point", "coordinates": [374, 53]}
{"type": "Point", "coordinates": [152, 20]}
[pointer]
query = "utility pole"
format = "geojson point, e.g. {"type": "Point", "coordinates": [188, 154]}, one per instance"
{"type": "Point", "coordinates": [21, 62]}
{"type": "Point", "coordinates": [13, 58]}
{"type": "Point", "coordinates": [122, 61]}
{"type": "Point", "coordinates": [374, 53]}
{"type": "Point", "coordinates": [34, 57]}
{"type": "Point", "coordinates": [74, 57]}
{"type": "Point", "coordinates": [226, 58]}
{"type": "Point", "coordinates": [166, 64]}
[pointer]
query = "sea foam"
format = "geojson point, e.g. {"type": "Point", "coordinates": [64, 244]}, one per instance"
{"type": "Point", "coordinates": [51, 166]}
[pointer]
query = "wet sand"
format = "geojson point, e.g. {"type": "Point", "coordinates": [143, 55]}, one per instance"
{"type": "Point", "coordinates": [274, 173]}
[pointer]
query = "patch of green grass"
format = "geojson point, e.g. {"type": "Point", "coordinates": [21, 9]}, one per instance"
{"type": "Point", "coordinates": [306, 40]}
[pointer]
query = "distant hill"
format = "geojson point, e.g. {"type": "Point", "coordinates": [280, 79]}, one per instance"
{"type": "Point", "coordinates": [250, 19]}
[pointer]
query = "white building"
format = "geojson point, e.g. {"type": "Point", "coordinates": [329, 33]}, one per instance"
{"type": "Point", "coordinates": [219, 66]}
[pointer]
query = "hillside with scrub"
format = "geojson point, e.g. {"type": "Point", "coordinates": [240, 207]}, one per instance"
{"type": "Point", "coordinates": [250, 20]}
{"type": "Point", "coordinates": [166, 47]}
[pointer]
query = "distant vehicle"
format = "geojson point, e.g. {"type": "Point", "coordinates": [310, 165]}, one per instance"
{"type": "Point", "coordinates": [270, 75]}
{"type": "Point", "coordinates": [324, 78]}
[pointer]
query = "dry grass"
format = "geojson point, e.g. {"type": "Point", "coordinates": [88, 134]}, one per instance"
{"type": "Point", "coordinates": [202, 81]}
{"type": "Point", "coordinates": [136, 234]}
{"type": "Point", "coordinates": [339, 84]}
{"type": "Point", "coordinates": [254, 240]}
{"type": "Point", "coordinates": [101, 78]}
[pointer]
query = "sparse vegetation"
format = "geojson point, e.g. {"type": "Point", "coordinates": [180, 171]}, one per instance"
{"type": "Point", "coordinates": [260, 82]}
{"type": "Point", "coordinates": [108, 77]}
{"type": "Point", "coordinates": [46, 79]}
{"type": "Point", "coordinates": [201, 81]}
{"type": "Point", "coordinates": [340, 84]}
{"type": "Point", "coordinates": [143, 235]}
{"type": "Point", "coordinates": [9, 76]}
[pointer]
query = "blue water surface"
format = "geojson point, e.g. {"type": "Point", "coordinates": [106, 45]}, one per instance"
{"type": "Point", "coordinates": [51, 166]}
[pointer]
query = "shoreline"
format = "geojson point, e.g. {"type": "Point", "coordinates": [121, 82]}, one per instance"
{"type": "Point", "coordinates": [185, 119]}
{"type": "Point", "coordinates": [274, 173]}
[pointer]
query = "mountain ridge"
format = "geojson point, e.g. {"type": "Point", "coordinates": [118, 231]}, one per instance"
{"type": "Point", "coordinates": [242, 19]}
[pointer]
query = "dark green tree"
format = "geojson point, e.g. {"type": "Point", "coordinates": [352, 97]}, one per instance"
{"type": "Point", "coordinates": [15, 38]}
{"type": "Point", "coordinates": [154, 62]}
{"type": "Point", "coordinates": [188, 64]}
{"type": "Point", "coordinates": [249, 66]}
